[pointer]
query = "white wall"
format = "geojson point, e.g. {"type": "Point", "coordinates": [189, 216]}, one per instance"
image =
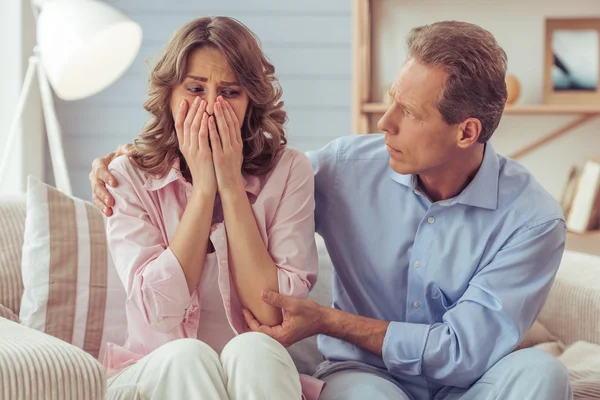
{"type": "Point", "coordinates": [518, 25]}
{"type": "Point", "coordinates": [17, 38]}
{"type": "Point", "coordinates": [309, 43]}
{"type": "Point", "coordinates": [10, 71]}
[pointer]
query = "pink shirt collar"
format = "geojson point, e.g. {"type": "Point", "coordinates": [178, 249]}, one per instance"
{"type": "Point", "coordinates": [251, 183]}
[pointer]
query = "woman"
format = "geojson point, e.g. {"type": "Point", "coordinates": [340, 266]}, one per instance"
{"type": "Point", "coordinates": [211, 209]}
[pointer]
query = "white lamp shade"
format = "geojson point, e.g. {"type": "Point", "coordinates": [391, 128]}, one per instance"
{"type": "Point", "coordinates": [85, 46]}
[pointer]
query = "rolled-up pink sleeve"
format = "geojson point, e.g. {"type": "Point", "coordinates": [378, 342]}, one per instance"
{"type": "Point", "coordinates": [152, 276]}
{"type": "Point", "coordinates": [292, 232]}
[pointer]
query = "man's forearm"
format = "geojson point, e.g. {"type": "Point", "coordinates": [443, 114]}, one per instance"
{"type": "Point", "coordinates": [364, 332]}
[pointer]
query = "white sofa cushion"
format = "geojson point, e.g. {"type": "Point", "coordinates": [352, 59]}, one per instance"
{"type": "Point", "coordinates": [572, 311]}
{"type": "Point", "coordinates": [582, 360]}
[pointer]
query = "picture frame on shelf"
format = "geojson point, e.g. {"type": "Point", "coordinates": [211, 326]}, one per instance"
{"type": "Point", "coordinates": [572, 61]}
{"type": "Point", "coordinates": [583, 205]}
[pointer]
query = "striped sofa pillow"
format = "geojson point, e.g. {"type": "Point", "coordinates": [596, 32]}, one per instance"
{"type": "Point", "coordinates": [71, 287]}
{"type": "Point", "coordinates": [12, 227]}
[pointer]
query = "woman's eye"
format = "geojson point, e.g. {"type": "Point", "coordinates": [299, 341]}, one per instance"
{"type": "Point", "coordinates": [194, 89]}
{"type": "Point", "coordinates": [230, 93]}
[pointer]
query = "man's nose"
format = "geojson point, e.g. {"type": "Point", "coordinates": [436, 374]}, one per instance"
{"type": "Point", "coordinates": [388, 122]}
{"type": "Point", "coordinates": [383, 122]}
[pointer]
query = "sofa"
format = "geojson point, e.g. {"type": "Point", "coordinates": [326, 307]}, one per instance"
{"type": "Point", "coordinates": [36, 365]}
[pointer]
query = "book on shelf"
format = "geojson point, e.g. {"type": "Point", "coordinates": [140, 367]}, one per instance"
{"type": "Point", "coordinates": [581, 202]}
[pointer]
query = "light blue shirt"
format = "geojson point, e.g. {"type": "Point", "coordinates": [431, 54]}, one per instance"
{"type": "Point", "coordinates": [461, 280]}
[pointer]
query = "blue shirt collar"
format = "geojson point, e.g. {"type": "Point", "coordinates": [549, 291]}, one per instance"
{"type": "Point", "coordinates": [482, 191]}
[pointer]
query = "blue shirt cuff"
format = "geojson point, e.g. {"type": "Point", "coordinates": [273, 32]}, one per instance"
{"type": "Point", "coordinates": [403, 347]}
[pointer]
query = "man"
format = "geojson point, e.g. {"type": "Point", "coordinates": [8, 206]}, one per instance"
{"type": "Point", "coordinates": [444, 251]}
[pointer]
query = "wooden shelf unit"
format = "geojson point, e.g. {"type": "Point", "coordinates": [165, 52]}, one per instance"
{"type": "Point", "coordinates": [363, 108]}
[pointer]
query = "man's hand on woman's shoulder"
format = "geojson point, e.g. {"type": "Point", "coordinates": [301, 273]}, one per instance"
{"type": "Point", "coordinates": [100, 177]}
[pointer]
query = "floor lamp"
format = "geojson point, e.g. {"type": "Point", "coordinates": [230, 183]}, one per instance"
{"type": "Point", "coordinates": [83, 46]}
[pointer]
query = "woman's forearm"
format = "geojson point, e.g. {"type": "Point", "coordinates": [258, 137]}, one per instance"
{"type": "Point", "coordinates": [252, 268]}
{"type": "Point", "coordinates": [190, 241]}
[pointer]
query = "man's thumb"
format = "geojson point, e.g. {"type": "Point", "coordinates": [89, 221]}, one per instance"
{"type": "Point", "coordinates": [274, 299]}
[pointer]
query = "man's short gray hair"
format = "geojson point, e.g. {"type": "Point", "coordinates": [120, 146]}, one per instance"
{"type": "Point", "coordinates": [476, 66]}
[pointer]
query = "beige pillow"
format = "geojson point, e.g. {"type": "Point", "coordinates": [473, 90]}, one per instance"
{"type": "Point", "coordinates": [553, 348]}
{"type": "Point", "coordinates": [71, 288]}
{"type": "Point", "coordinates": [537, 334]}
{"type": "Point", "coordinates": [582, 360]}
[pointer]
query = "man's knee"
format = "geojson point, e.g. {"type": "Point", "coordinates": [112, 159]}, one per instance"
{"type": "Point", "coordinates": [360, 391]}
{"type": "Point", "coordinates": [535, 366]}
{"type": "Point", "coordinates": [358, 385]}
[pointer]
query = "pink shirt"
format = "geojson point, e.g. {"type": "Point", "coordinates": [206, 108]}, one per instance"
{"type": "Point", "coordinates": [214, 328]}
{"type": "Point", "coordinates": [146, 215]}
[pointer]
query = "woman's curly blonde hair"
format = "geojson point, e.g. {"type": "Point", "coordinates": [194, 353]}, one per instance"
{"type": "Point", "coordinates": [157, 147]}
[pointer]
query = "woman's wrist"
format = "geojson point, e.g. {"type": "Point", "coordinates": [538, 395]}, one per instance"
{"type": "Point", "coordinates": [233, 191]}
{"type": "Point", "coordinates": [203, 195]}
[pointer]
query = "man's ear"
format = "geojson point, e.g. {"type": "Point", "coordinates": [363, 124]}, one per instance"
{"type": "Point", "coordinates": [468, 132]}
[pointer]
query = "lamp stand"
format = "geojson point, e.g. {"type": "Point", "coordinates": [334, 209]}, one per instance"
{"type": "Point", "coordinates": [59, 163]}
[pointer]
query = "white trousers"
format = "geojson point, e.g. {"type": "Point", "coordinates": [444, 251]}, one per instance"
{"type": "Point", "coordinates": [252, 366]}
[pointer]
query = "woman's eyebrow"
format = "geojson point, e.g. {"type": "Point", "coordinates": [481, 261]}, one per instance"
{"type": "Point", "coordinates": [203, 79]}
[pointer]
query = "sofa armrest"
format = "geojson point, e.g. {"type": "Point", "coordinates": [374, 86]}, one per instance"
{"type": "Point", "coordinates": [572, 311]}
{"type": "Point", "coordinates": [34, 365]}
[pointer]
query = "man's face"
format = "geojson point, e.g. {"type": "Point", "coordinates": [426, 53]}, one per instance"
{"type": "Point", "coordinates": [418, 140]}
